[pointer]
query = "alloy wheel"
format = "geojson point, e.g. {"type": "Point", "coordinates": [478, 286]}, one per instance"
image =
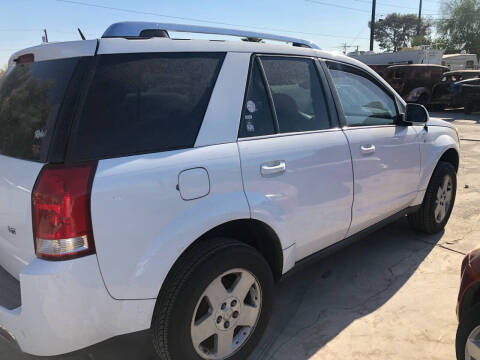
{"type": "Point", "coordinates": [444, 199]}
{"type": "Point", "coordinates": [226, 314]}
{"type": "Point", "coordinates": [472, 348]}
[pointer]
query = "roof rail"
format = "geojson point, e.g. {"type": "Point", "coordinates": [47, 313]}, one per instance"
{"type": "Point", "coordinates": [134, 29]}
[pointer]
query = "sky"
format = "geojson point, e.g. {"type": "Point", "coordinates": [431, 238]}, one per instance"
{"type": "Point", "coordinates": [330, 23]}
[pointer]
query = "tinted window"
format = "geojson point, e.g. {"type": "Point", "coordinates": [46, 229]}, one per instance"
{"type": "Point", "coordinates": [257, 118]}
{"type": "Point", "coordinates": [297, 94]}
{"type": "Point", "coordinates": [140, 103]}
{"type": "Point", "coordinates": [363, 101]}
{"type": "Point", "coordinates": [30, 98]}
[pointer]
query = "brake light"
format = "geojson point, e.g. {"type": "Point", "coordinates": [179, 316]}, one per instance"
{"type": "Point", "coordinates": [62, 225]}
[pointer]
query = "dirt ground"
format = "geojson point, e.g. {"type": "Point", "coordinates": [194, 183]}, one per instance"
{"type": "Point", "coordinates": [389, 296]}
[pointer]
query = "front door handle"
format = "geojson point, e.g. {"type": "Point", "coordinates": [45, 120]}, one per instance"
{"type": "Point", "coordinates": [367, 149]}
{"type": "Point", "coordinates": [272, 168]}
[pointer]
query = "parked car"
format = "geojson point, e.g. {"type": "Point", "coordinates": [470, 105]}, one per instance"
{"type": "Point", "coordinates": [380, 69]}
{"type": "Point", "coordinates": [470, 91]}
{"type": "Point", "coordinates": [415, 82]}
{"type": "Point", "coordinates": [162, 184]}
{"type": "Point", "coordinates": [468, 309]}
{"type": "Point", "coordinates": [447, 93]}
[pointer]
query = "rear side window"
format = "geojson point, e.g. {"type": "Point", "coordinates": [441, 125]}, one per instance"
{"type": "Point", "coordinates": [31, 94]}
{"type": "Point", "coordinates": [297, 93]}
{"type": "Point", "coordinates": [140, 103]}
{"type": "Point", "coordinates": [257, 118]}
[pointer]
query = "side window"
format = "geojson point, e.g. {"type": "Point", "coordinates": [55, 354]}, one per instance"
{"type": "Point", "coordinates": [145, 103]}
{"type": "Point", "coordinates": [257, 117]}
{"type": "Point", "coordinates": [297, 93]}
{"type": "Point", "coordinates": [363, 101]}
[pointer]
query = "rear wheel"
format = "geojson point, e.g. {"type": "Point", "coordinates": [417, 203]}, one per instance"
{"type": "Point", "coordinates": [215, 304]}
{"type": "Point", "coordinates": [438, 203]}
{"type": "Point", "coordinates": [468, 335]}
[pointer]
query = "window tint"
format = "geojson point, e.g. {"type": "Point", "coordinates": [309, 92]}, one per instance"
{"type": "Point", "coordinates": [297, 94]}
{"type": "Point", "coordinates": [257, 118]}
{"type": "Point", "coordinates": [30, 98]}
{"type": "Point", "coordinates": [139, 103]}
{"type": "Point", "coordinates": [363, 101]}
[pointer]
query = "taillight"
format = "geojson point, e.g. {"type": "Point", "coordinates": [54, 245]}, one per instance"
{"type": "Point", "coordinates": [62, 225]}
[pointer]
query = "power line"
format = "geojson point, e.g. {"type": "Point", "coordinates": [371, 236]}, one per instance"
{"type": "Point", "coordinates": [337, 6]}
{"type": "Point", "coordinates": [389, 5]}
{"type": "Point", "coordinates": [195, 19]}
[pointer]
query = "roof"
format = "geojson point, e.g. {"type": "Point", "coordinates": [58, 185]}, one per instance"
{"type": "Point", "coordinates": [462, 72]}
{"type": "Point", "coordinates": [417, 65]}
{"type": "Point", "coordinates": [447, 56]}
{"type": "Point", "coordinates": [68, 49]}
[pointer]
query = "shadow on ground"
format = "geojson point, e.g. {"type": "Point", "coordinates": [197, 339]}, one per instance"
{"type": "Point", "coordinates": [314, 302]}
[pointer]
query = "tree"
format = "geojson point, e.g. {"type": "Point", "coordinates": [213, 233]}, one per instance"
{"type": "Point", "coordinates": [3, 69]}
{"type": "Point", "coordinates": [397, 31]}
{"type": "Point", "coordinates": [461, 25]}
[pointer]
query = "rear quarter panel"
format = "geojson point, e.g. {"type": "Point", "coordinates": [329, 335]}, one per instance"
{"type": "Point", "coordinates": [142, 225]}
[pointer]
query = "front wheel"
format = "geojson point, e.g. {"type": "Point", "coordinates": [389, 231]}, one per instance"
{"type": "Point", "coordinates": [215, 304]}
{"type": "Point", "coordinates": [438, 202]}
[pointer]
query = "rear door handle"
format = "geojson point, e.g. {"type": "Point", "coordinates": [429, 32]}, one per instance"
{"type": "Point", "coordinates": [272, 168]}
{"type": "Point", "coordinates": [367, 149]}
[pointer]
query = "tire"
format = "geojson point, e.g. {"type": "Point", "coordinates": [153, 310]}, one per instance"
{"type": "Point", "coordinates": [185, 294]}
{"type": "Point", "coordinates": [468, 109]}
{"type": "Point", "coordinates": [469, 322]}
{"type": "Point", "coordinates": [425, 219]}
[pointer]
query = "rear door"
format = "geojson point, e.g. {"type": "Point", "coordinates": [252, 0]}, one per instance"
{"type": "Point", "coordinates": [32, 97]}
{"type": "Point", "coordinates": [296, 164]}
{"type": "Point", "coordinates": [386, 156]}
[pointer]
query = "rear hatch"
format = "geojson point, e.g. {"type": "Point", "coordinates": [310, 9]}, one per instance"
{"type": "Point", "coordinates": [37, 96]}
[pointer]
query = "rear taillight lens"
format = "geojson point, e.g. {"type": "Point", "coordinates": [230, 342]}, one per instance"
{"type": "Point", "coordinates": [62, 225]}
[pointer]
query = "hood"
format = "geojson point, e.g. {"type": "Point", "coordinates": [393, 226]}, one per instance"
{"type": "Point", "coordinates": [438, 122]}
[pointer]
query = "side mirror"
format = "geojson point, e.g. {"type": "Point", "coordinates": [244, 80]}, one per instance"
{"type": "Point", "coordinates": [416, 113]}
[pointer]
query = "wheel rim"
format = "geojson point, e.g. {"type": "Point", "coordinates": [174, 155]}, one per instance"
{"type": "Point", "coordinates": [472, 348]}
{"type": "Point", "coordinates": [443, 201]}
{"type": "Point", "coordinates": [226, 314]}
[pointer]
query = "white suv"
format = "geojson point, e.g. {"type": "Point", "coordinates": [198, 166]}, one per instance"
{"type": "Point", "coordinates": [167, 184]}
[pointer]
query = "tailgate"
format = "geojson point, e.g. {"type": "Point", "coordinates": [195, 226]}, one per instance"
{"type": "Point", "coordinates": [17, 178]}
{"type": "Point", "coordinates": [37, 94]}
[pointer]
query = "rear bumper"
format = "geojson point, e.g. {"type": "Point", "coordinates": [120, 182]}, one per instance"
{"type": "Point", "coordinates": [65, 307]}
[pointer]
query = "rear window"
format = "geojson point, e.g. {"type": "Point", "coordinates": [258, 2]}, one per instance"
{"type": "Point", "coordinates": [31, 95]}
{"type": "Point", "coordinates": [141, 103]}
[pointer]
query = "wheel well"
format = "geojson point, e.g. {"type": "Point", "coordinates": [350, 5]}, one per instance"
{"type": "Point", "coordinates": [256, 234]}
{"type": "Point", "coordinates": [451, 156]}
{"type": "Point", "coordinates": [470, 299]}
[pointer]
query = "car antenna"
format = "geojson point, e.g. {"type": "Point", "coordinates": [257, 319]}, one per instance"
{"type": "Point", "coordinates": [81, 34]}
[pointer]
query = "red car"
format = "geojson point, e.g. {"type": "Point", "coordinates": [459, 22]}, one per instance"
{"type": "Point", "coordinates": [468, 309]}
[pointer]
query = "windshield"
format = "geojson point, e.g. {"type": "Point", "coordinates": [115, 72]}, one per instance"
{"type": "Point", "coordinates": [30, 97]}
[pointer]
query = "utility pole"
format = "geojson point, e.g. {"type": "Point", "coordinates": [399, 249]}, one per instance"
{"type": "Point", "coordinates": [372, 24]}
{"type": "Point", "coordinates": [419, 25]}
{"type": "Point", "coordinates": [345, 47]}
{"type": "Point", "coordinates": [45, 36]}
